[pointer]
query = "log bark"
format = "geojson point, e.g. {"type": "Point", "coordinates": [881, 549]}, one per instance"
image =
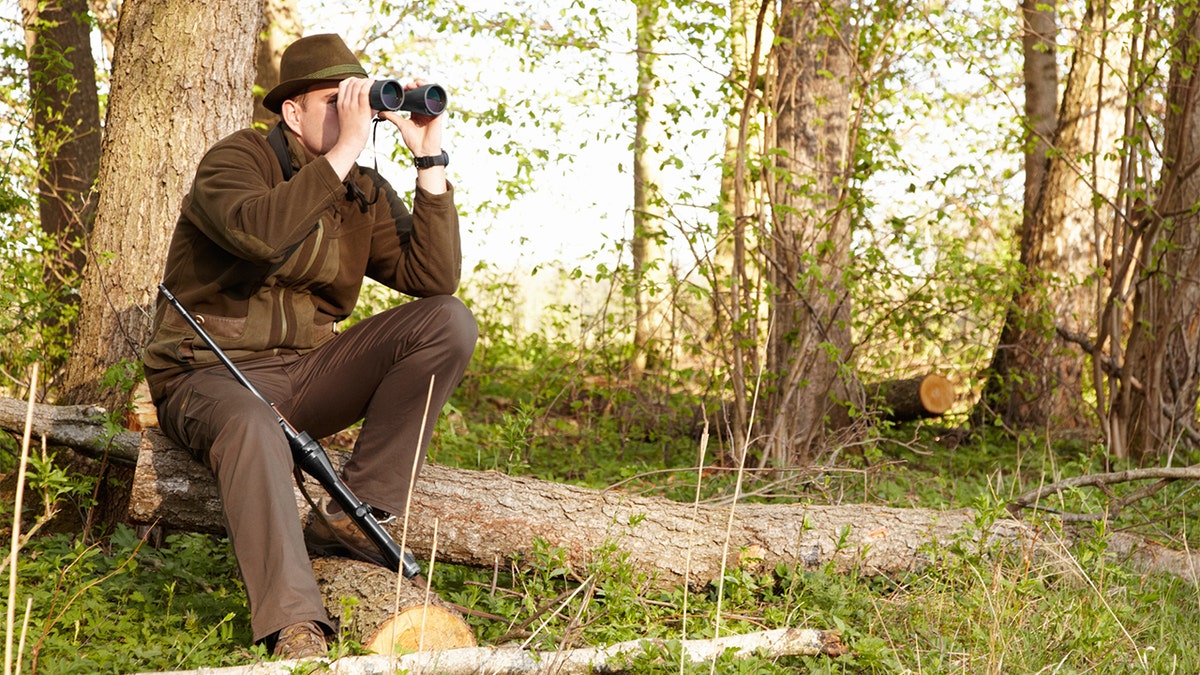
{"type": "Point", "coordinates": [470, 661]}
{"type": "Point", "coordinates": [913, 398]}
{"type": "Point", "coordinates": [76, 426]}
{"type": "Point", "coordinates": [486, 517]}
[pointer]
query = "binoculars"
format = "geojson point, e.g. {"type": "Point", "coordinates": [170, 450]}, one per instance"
{"type": "Point", "coordinates": [429, 99]}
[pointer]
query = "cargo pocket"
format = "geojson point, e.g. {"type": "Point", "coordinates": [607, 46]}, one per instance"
{"type": "Point", "coordinates": [196, 424]}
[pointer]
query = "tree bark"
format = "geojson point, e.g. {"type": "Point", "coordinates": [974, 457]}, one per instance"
{"type": "Point", "coordinates": [78, 427]}
{"type": "Point", "coordinates": [1039, 49]}
{"type": "Point", "coordinates": [484, 517]}
{"type": "Point", "coordinates": [182, 77]}
{"type": "Point", "coordinates": [66, 121]}
{"type": "Point", "coordinates": [1038, 381]}
{"type": "Point", "coordinates": [388, 614]}
{"type": "Point", "coordinates": [1160, 380]}
{"type": "Point", "coordinates": [809, 343]}
{"type": "Point", "coordinates": [648, 243]}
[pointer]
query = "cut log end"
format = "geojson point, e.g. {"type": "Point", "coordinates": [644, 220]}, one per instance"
{"type": "Point", "coordinates": [936, 394]}
{"type": "Point", "coordinates": [423, 628]}
{"type": "Point", "coordinates": [913, 398]}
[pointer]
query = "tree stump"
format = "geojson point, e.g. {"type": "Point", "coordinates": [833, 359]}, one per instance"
{"type": "Point", "coordinates": [385, 612]}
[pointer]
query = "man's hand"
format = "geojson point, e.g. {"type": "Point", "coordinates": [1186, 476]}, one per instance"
{"type": "Point", "coordinates": [354, 116]}
{"type": "Point", "coordinates": [423, 136]}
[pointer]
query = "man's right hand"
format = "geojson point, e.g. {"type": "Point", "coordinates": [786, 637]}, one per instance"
{"type": "Point", "coordinates": [354, 124]}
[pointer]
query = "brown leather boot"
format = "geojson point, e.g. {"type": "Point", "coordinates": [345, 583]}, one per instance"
{"type": "Point", "coordinates": [304, 640]}
{"type": "Point", "coordinates": [337, 534]}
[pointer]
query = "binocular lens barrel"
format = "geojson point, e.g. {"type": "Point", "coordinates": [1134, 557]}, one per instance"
{"type": "Point", "coordinates": [429, 99]}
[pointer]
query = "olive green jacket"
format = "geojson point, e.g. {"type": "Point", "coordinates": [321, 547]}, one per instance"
{"type": "Point", "coordinates": [269, 265]}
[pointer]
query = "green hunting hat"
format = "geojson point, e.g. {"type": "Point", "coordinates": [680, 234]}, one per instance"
{"type": "Point", "coordinates": [309, 60]}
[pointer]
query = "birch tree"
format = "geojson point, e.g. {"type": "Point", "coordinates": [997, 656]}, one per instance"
{"type": "Point", "coordinates": [650, 265]}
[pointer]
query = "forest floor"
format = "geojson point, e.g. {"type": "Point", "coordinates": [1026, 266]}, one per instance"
{"type": "Point", "coordinates": [110, 602]}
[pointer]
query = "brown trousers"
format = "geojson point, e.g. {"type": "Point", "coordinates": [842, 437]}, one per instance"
{"type": "Point", "coordinates": [378, 371]}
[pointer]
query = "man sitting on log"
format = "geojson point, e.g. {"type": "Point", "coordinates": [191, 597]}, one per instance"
{"type": "Point", "coordinates": [269, 253]}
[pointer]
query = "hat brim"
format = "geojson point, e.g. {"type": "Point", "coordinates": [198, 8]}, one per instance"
{"type": "Point", "coordinates": [283, 91]}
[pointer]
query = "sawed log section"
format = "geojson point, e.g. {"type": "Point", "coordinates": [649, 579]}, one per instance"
{"type": "Point", "coordinates": [912, 398]}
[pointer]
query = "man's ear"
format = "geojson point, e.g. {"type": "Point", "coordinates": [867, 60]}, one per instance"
{"type": "Point", "coordinates": [289, 112]}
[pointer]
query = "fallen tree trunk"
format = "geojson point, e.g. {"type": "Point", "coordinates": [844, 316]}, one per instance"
{"type": "Point", "coordinates": [470, 661]}
{"type": "Point", "coordinates": [487, 517]}
{"type": "Point", "coordinates": [79, 427]}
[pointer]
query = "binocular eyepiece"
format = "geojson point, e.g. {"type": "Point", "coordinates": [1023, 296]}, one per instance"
{"type": "Point", "coordinates": [388, 94]}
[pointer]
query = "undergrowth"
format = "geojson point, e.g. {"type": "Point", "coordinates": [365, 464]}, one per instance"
{"type": "Point", "coordinates": [119, 605]}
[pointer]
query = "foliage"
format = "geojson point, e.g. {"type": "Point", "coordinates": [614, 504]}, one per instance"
{"type": "Point", "coordinates": [549, 393]}
{"type": "Point", "coordinates": [32, 316]}
{"type": "Point", "coordinates": [119, 605]}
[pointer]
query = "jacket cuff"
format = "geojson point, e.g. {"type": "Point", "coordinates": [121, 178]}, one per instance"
{"type": "Point", "coordinates": [429, 200]}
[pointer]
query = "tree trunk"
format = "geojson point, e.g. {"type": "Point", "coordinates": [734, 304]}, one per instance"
{"type": "Point", "coordinates": [809, 342]}
{"type": "Point", "coordinates": [1039, 49]}
{"type": "Point", "coordinates": [1160, 379]}
{"type": "Point", "coordinates": [483, 517]}
{"type": "Point", "coordinates": [733, 277]}
{"type": "Point", "coordinates": [281, 26]}
{"type": "Point", "coordinates": [648, 244]}
{"type": "Point", "coordinates": [182, 77]}
{"type": "Point", "coordinates": [1040, 383]}
{"type": "Point", "coordinates": [66, 122]}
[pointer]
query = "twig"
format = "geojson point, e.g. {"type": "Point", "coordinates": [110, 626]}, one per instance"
{"type": "Point", "coordinates": [519, 629]}
{"type": "Point", "coordinates": [1165, 476]}
{"type": "Point", "coordinates": [16, 527]}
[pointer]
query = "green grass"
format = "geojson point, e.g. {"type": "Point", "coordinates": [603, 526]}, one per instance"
{"type": "Point", "coordinates": [119, 606]}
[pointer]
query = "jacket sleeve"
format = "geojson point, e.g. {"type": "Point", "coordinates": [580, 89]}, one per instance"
{"type": "Point", "coordinates": [419, 254]}
{"type": "Point", "coordinates": [240, 200]}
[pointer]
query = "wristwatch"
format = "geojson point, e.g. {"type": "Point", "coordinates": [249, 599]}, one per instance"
{"type": "Point", "coordinates": [432, 160]}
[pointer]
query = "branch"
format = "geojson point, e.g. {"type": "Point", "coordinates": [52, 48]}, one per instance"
{"type": "Point", "coordinates": [76, 426]}
{"type": "Point", "coordinates": [471, 660]}
{"type": "Point", "coordinates": [1166, 475]}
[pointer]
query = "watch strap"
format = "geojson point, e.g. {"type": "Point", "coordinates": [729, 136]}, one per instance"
{"type": "Point", "coordinates": [432, 160]}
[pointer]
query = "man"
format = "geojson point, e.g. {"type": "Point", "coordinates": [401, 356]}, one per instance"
{"type": "Point", "coordinates": [269, 254]}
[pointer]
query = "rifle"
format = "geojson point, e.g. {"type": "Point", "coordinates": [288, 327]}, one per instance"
{"type": "Point", "coordinates": [308, 454]}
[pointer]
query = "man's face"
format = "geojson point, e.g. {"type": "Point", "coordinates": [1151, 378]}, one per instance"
{"type": "Point", "coordinates": [313, 117]}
